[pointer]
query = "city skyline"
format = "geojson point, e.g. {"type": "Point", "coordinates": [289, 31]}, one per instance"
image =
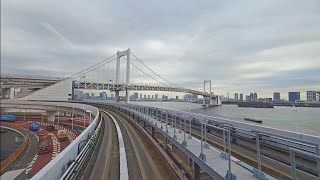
{"type": "Point", "coordinates": [224, 41]}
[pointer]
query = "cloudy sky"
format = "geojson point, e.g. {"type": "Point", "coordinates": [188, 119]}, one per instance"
{"type": "Point", "coordinates": [242, 46]}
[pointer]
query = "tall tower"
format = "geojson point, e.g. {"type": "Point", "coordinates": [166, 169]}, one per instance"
{"type": "Point", "coordinates": [119, 55]}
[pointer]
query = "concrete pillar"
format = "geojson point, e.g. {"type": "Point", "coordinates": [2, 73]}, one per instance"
{"type": "Point", "coordinates": [127, 96]}
{"type": "Point", "coordinates": [51, 116]}
{"type": "Point", "coordinates": [152, 131]}
{"type": "Point", "coordinates": [166, 145]}
{"type": "Point", "coordinates": [5, 92]}
{"type": "Point", "coordinates": [117, 96]}
{"type": "Point", "coordinates": [196, 170]}
{"type": "Point", "coordinates": [11, 93]}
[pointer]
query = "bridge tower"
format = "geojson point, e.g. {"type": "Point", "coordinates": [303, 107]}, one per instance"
{"type": "Point", "coordinates": [119, 55]}
{"type": "Point", "coordinates": [211, 100]}
{"type": "Point", "coordinates": [204, 90]}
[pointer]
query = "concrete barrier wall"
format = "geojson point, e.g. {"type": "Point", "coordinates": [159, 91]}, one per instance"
{"type": "Point", "coordinates": [9, 161]}
{"type": "Point", "coordinates": [55, 168]}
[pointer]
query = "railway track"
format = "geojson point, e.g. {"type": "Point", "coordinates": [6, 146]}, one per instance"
{"type": "Point", "coordinates": [143, 159]}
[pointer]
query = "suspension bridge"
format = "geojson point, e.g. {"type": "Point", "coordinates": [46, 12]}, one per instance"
{"type": "Point", "coordinates": [121, 72]}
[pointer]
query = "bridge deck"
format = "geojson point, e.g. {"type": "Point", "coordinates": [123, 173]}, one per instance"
{"type": "Point", "coordinates": [213, 156]}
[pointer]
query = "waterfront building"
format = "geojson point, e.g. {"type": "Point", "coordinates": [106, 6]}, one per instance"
{"type": "Point", "coordinates": [103, 95]}
{"type": "Point", "coordinates": [276, 96]}
{"type": "Point", "coordinates": [135, 95]}
{"type": "Point", "coordinates": [145, 96]}
{"type": "Point", "coordinates": [112, 96]}
{"type": "Point", "coordinates": [247, 98]}
{"type": "Point", "coordinates": [236, 96]}
{"type": "Point", "coordinates": [152, 97]}
{"type": "Point", "coordinates": [241, 97]}
{"type": "Point", "coordinates": [318, 96]}
{"type": "Point", "coordinates": [156, 96]}
{"type": "Point", "coordinates": [311, 95]}
{"type": "Point", "coordinates": [163, 96]}
{"type": "Point", "coordinates": [148, 96]}
{"type": "Point", "coordinates": [255, 96]}
{"type": "Point", "coordinates": [294, 96]}
{"type": "Point", "coordinates": [251, 97]}
{"type": "Point", "coordinates": [92, 95]}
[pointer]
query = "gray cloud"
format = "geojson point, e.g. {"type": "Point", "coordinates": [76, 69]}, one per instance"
{"type": "Point", "coordinates": [243, 46]}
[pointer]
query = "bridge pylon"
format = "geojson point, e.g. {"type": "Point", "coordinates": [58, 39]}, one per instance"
{"type": "Point", "coordinates": [211, 99]}
{"type": "Point", "coordinates": [119, 55]}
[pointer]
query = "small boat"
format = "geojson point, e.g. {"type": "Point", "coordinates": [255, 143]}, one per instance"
{"type": "Point", "coordinates": [253, 120]}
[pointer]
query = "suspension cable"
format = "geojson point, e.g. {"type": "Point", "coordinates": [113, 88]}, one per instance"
{"type": "Point", "coordinates": [88, 69]}
{"type": "Point", "coordinates": [152, 70]}
{"type": "Point", "coordinates": [146, 73]}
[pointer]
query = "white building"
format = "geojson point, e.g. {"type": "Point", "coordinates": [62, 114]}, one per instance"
{"type": "Point", "coordinates": [311, 96]}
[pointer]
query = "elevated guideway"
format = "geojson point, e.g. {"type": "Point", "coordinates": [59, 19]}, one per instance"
{"type": "Point", "coordinates": [257, 162]}
{"type": "Point", "coordinates": [126, 152]}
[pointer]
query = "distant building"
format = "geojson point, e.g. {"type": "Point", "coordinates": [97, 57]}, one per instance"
{"type": "Point", "coordinates": [251, 97]}
{"type": "Point", "coordinates": [148, 96]}
{"type": "Point", "coordinates": [156, 96]}
{"type": "Point", "coordinates": [92, 95]}
{"type": "Point", "coordinates": [241, 97]}
{"type": "Point", "coordinates": [140, 95]}
{"type": "Point", "coordinates": [276, 96]}
{"type": "Point", "coordinates": [294, 96]}
{"type": "Point", "coordinates": [86, 96]}
{"type": "Point", "coordinates": [236, 96]}
{"type": "Point", "coordinates": [247, 98]}
{"type": "Point", "coordinates": [145, 96]}
{"type": "Point", "coordinates": [103, 95]}
{"type": "Point", "coordinates": [152, 97]}
{"type": "Point", "coordinates": [163, 97]}
{"type": "Point", "coordinates": [311, 95]}
{"type": "Point", "coordinates": [112, 96]}
{"type": "Point", "coordinates": [318, 96]}
{"type": "Point", "coordinates": [255, 96]}
{"type": "Point", "coordinates": [135, 95]}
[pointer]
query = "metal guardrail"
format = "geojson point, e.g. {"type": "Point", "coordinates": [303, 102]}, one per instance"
{"type": "Point", "coordinates": [293, 153]}
{"type": "Point", "coordinates": [300, 145]}
{"type": "Point", "coordinates": [74, 169]}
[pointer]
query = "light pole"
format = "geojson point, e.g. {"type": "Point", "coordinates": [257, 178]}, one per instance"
{"type": "Point", "coordinates": [202, 156]}
{"type": "Point", "coordinates": [190, 119]}
{"type": "Point", "coordinates": [84, 117]}
{"type": "Point", "coordinates": [161, 120]}
{"type": "Point", "coordinates": [167, 123]}
{"type": "Point", "coordinates": [58, 115]}
{"type": "Point", "coordinates": [88, 111]}
{"type": "Point", "coordinates": [180, 123]}
{"type": "Point", "coordinates": [184, 143]}
{"type": "Point", "coordinates": [72, 117]}
{"type": "Point", "coordinates": [174, 127]}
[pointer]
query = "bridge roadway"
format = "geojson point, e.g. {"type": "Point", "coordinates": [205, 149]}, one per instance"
{"type": "Point", "coordinates": [123, 87]}
{"type": "Point", "coordinates": [17, 81]}
{"type": "Point", "coordinates": [144, 161]}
